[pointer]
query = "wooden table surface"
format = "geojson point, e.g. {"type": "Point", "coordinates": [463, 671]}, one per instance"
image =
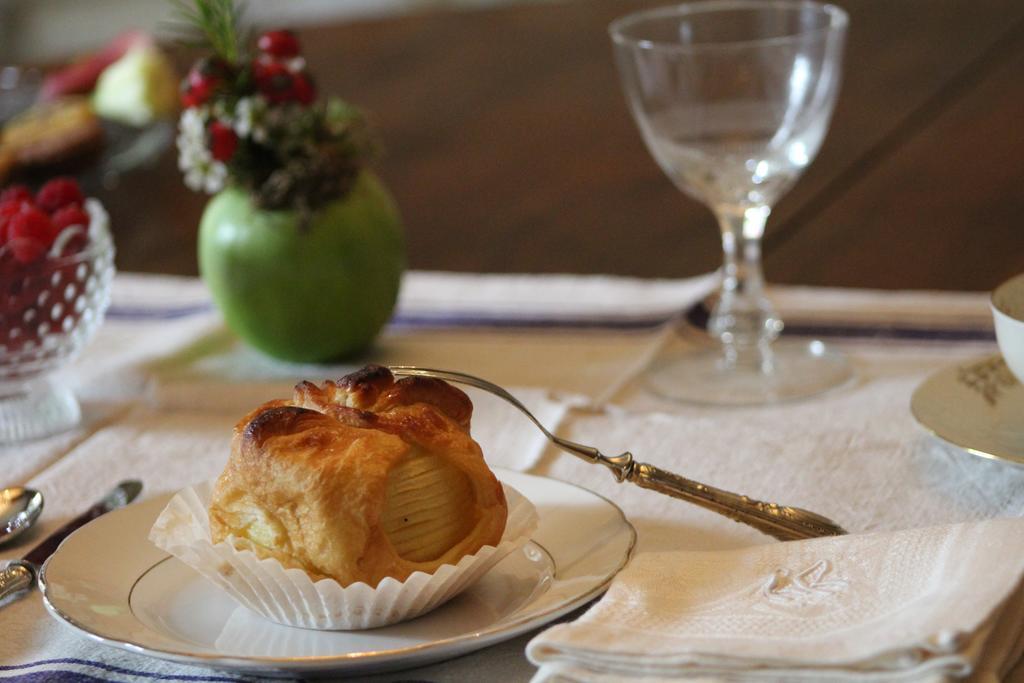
{"type": "Point", "coordinates": [509, 148]}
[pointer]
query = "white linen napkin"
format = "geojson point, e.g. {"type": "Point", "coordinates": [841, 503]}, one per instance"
{"type": "Point", "coordinates": [919, 604]}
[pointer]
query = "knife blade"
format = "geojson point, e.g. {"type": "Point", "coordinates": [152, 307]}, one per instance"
{"type": "Point", "coordinates": [19, 576]}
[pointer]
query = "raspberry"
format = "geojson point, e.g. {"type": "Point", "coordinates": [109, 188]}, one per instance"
{"type": "Point", "coordinates": [31, 223]}
{"type": "Point", "coordinates": [27, 250]}
{"type": "Point", "coordinates": [12, 206]}
{"type": "Point", "coordinates": [12, 192]}
{"type": "Point", "coordinates": [8, 210]}
{"type": "Point", "coordinates": [58, 193]}
{"type": "Point", "coordinates": [72, 214]}
{"type": "Point", "coordinates": [281, 44]}
{"type": "Point", "coordinates": [30, 233]}
{"type": "Point", "coordinates": [223, 141]}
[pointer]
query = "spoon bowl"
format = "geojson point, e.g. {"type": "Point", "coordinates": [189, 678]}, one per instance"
{"type": "Point", "coordinates": [19, 509]}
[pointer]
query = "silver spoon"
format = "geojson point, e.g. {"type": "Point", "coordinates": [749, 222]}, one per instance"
{"type": "Point", "coordinates": [782, 522]}
{"type": "Point", "coordinates": [19, 510]}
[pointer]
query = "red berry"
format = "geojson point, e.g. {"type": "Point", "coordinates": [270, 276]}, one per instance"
{"type": "Point", "coordinates": [193, 95]}
{"type": "Point", "coordinates": [72, 214]}
{"type": "Point", "coordinates": [223, 141]}
{"type": "Point", "coordinates": [30, 234]}
{"type": "Point", "coordinates": [200, 80]}
{"type": "Point", "coordinates": [281, 44]}
{"type": "Point", "coordinates": [204, 78]}
{"type": "Point", "coordinates": [32, 223]}
{"type": "Point", "coordinates": [189, 98]}
{"type": "Point", "coordinates": [27, 250]}
{"type": "Point", "coordinates": [8, 209]}
{"type": "Point", "coordinates": [59, 192]}
{"type": "Point", "coordinates": [303, 89]}
{"type": "Point", "coordinates": [274, 81]}
{"type": "Point", "coordinates": [16, 192]}
{"type": "Point", "coordinates": [263, 69]}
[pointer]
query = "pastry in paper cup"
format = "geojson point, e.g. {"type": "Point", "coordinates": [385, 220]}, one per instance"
{"type": "Point", "coordinates": [290, 596]}
{"type": "Point", "coordinates": [357, 503]}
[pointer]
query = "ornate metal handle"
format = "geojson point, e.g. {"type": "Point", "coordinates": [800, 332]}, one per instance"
{"type": "Point", "coordinates": [16, 579]}
{"type": "Point", "coordinates": [783, 522]}
{"type": "Point", "coordinates": [779, 521]}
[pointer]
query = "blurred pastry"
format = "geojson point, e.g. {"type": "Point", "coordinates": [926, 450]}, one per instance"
{"type": "Point", "coordinates": [50, 134]}
{"type": "Point", "coordinates": [360, 479]}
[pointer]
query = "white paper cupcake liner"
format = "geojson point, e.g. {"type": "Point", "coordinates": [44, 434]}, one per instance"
{"type": "Point", "coordinates": [291, 597]}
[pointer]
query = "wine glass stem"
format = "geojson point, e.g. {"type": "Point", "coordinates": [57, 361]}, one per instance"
{"type": "Point", "coordinates": [743, 320]}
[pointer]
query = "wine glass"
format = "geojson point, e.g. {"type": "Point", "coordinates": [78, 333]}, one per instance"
{"type": "Point", "coordinates": [733, 98]}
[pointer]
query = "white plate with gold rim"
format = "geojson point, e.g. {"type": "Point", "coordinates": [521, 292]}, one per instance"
{"type": "Point", "coordinates": [111, 584]}
{"type": "Point", "coordinates": [976, 405]}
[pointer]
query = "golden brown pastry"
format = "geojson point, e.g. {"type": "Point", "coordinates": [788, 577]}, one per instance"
{"type": "Point", "coordinates": [51, 133]}
{"type": "Point", "coordinates": [359, 480]}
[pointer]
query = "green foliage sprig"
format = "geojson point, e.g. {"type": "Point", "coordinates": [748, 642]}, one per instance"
{"type": "Point", "coordinates": [213, 24]}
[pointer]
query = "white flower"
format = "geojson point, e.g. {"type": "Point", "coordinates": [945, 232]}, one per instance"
{"type": "Point", "coordinates": [216, 174]}
{"type": "Point", "coordinates": [250, 114]}
{"type": "Point", "coordinates": [193, 122]}
{"type": "Point", "coordinates": [191, 139]}
{"type": "Point", "coordinates": [187, 159]}
{"type": "Point", "coordinates": [202, 171]}
{"type": "Point", "coordinates": [207, 176]}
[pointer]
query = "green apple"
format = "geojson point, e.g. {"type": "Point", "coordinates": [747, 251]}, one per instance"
{"type": "Point", "coordinates": [308, 293]}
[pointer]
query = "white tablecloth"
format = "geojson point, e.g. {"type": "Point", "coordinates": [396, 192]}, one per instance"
{"type": "Point", "coordinates": [163, 382]}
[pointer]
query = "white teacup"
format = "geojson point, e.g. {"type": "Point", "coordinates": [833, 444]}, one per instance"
{"type": "Point", "coordinates": [1008, 312]}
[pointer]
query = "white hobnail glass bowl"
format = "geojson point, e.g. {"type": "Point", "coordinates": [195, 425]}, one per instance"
{"type": "Point", "coordinates": [49, 310]}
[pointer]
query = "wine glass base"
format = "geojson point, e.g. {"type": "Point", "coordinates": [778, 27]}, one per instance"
{"type": "Point", "coordinates": [800, 370]}
{"type": "Point", "coordinates": [36, 409]}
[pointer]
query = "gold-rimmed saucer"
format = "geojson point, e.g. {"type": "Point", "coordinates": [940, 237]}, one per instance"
{"type": "Point", "coordinates": [976, 405]}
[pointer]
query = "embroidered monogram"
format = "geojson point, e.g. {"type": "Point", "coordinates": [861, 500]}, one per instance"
{"type": "Point", "coordinates": [803, 590]}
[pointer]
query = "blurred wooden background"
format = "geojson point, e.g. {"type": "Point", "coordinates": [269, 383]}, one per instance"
{"type": "Point", "coordinates": [510, 149]}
